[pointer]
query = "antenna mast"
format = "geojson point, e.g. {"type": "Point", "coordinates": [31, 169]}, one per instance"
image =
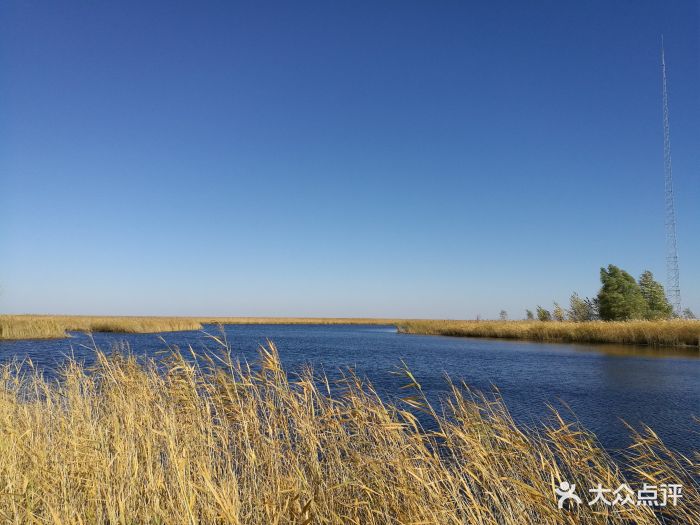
{"type": "Point", "coordinates": [673, 290]}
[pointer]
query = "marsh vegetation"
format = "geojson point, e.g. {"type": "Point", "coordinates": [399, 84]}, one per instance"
{"type": "Point", "coordinates": [675, 332]}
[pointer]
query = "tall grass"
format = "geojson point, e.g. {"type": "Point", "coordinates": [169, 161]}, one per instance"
{"type": "Point", "coordinates": [218, 442]}
{"type": "Point", "coordinates": [654, 333]}
{"type": "Point", "coordinates": [30, 327]}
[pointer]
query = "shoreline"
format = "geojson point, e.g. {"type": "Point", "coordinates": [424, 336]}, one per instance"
{"type": "Point", "coordinates": [45, 326]}
{"type": "Point", "coordinates": [669, 334]}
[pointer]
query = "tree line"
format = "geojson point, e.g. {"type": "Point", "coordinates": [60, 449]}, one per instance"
{"type": "Point", "coordinates": [620, 298]}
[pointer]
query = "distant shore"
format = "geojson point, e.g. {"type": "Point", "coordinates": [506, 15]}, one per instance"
{"type": "Point", "coordinates": [674, 333]}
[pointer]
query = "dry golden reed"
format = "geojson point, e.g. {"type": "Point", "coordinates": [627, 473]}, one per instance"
{"type": "Point", "coordinates": [212, 441]}
{"type": "Point", "coordinates": [654, 333]}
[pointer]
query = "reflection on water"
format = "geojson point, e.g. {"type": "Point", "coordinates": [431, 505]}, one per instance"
{"type": "Point", "coordinates": [661, 352]}
{"type": "Point", "coordinates": [602, 384]}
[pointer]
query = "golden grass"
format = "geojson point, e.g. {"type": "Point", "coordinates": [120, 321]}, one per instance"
{"type": "Point", "coordinates": [52, 326]}
{"type": "Point", "coordinates": [30, 327]}
{"type": "Point", "coordinates": [654, 333]}
{"type": "Point", "coordinates": [178, 442]}
{"type": "Point", "coordinates": [56, 326]}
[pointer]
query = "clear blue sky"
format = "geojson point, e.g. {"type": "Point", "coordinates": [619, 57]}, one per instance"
{"type": "Point", "coordinates": [414, 159]}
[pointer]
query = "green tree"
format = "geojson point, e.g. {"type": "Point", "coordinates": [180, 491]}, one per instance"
{"type": "Point", "coordinates": [529, 315]}
{"type": "Point", "coordinates": [543, 314]}
{"type": "Point", "coordinates": [593, 307]}
{"type": "Point", "coordinates": [503, 316]}
{"type": "Point", "coordinates": [620, 297]}
{"type": "Point", "coordinates": [658, 306]}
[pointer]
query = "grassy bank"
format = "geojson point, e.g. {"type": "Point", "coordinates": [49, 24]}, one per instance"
{"type": "Point", "coordinates": [130, 443]}
{"type": "Point", "coordinates": [56, 326]}
{"type": "Point", "coordinates": [654, 333]}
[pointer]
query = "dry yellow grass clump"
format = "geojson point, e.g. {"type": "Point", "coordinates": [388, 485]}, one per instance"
{"type": "Point", "coordinates": [216, 442]}
{"type": "Point", "coordinates": [54, 326]}
{"type": "Point", "coordinates": [30, 327]}
{"type": "Point", "coordinates": [655, 333]}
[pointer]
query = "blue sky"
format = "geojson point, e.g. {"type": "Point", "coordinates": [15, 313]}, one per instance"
{"type": "Point", "coordinates": [412, 159]}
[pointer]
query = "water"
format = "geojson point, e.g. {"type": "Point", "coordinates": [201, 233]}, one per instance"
{"type": "Point", "coordinates": [603, 385]}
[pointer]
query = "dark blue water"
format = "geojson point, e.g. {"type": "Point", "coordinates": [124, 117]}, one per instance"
{"type": "Point", "coordinates": [603, 385]}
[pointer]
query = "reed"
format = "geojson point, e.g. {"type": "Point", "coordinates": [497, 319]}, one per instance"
{"type": "Point", "coordinates": [212, 441]}
{"type": "Point", "coordinates": [653, 333]}
{"type": "Point", "coordinates": [55, 326]}
{"type": "Point", "coordinates": [30, 327]}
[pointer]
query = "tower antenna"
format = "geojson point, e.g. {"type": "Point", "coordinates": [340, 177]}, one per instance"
{"type": "Point", "coordinates": [673, 290]}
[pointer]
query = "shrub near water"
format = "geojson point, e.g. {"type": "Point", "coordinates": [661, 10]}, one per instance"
{"type": "Point", "coordinates": [180, 443]}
